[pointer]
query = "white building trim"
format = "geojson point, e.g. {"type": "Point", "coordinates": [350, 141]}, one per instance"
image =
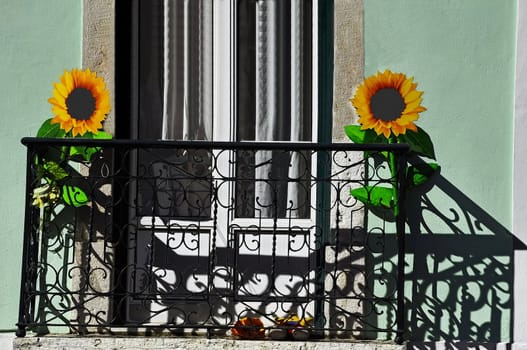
{"type": "Point", "coordinates": [519, 219]}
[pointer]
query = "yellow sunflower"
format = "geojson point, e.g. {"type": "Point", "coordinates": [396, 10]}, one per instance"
{"type": "Point", "coordinates": [80, 102]}
{"type": "Point", "coordinates": [388, 103]}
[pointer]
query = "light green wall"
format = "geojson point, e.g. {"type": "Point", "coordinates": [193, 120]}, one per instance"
{"type": "Point", "coordinates": [461, 53]}
{"type": "Point", "coordinates": [38, 40]}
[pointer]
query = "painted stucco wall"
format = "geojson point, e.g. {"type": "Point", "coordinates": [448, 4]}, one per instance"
{"type": "Point", "coordinates": [462, 55]}
{"type": "Point", "coordinates": [38, 40]}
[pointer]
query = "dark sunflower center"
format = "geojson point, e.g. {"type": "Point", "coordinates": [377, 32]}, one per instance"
{"type": "Point", "coordinates": [387, 104]}
{"type": "Point", "coordinates": [81, 104]}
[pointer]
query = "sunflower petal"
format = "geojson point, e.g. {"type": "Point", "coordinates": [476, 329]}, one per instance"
{"type": "Point", "coordinates": [413, 96]}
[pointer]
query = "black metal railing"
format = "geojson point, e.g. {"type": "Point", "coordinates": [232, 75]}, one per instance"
{"type": "Point", "coordinates": [141, 235]}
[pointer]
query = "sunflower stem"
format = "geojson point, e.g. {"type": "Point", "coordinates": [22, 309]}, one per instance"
{"type": "Point", "coordinates": [65, 150]}
{"type": "Point", "coordinates": [393, 172]}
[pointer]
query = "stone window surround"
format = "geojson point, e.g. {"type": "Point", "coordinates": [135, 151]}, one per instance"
{"type": "Point", "coordinates": [98, 54]}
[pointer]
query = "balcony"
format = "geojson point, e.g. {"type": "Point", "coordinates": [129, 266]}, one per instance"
{"type": "Point", "coordinates": [179, 238]}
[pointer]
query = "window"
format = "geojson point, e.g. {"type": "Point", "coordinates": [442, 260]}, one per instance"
{"type": "Point", "coordinates": [220, 70]}
{"type": "Point", "coordinates": [223, 70]}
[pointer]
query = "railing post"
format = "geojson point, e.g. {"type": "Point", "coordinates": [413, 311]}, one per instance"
{"type": "Point", "coordinates": [400, 228]}
{"type": "Point", "coordinates": [322, 235]}
{"type": "Point", "coordinates": [22, 307]}
{"type": "Point", "coordinates": [325, 110]}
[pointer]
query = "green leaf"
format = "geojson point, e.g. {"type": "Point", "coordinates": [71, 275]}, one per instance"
{"type": "Point", "coordinates": [357, 135]}
{"type": "Point", "coordinates": [87, 152]}
{"type": "Point", "coordinates": [376, 196]}
{"type": "Point", "coordinates": [419, 142]}
{"type": "Point", "coordinates": [50, 130]}
{"type": "Point", "coordinates": [379, 200]}
{"type": "Point", "coordinates": [103, 135]}
{"type": "Point", "coordinates": [54, 171]}
{"type": "Point", "coordinates": [74, 196]}
{"type": "Point", "coordinates": [419, 174]}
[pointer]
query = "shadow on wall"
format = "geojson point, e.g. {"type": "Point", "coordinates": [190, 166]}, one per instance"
{"type": "Point", "coordinates": [459, 282]}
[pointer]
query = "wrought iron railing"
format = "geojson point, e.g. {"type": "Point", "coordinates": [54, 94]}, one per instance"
{"type": "Point", "coordinates": [198, 235]}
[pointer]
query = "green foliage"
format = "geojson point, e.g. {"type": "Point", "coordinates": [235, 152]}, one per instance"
{"type": "Point", "coordinates": [86, 153]}
{"type": "Point", "coordinates": [420, 143]}
{"type": "Point", "coordinates": [53, 164]}
{"type": "Point", "coordinates": [419, 174]}
{"type": "Point", "coordinates": [357, 135]}
{"type": "Point", "coordinates": [376, 196]}
{"type": "Point", "coordinates": [74, 196]}
{"type": "Point", "coordinates": [382, 200]}
{"type": "Point", "coordinates": [53, 171]}
{"type": "Point", "coordinates": [50, 130]}
{"type": "Point", "coordinates": [377, 199]}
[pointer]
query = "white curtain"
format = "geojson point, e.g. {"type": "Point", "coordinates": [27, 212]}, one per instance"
{"type": "Point", "coordinates": [187, 95]}
{"type": "Point", "coordinates": [279, 91]}
{"type": "Point", "coordinates": [296, 195]}
{"type": "Point", "coordinates": [187, 103]}
{"type": "Point", "coordinates": [279, 119]}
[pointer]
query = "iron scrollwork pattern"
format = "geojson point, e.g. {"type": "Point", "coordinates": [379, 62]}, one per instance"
{"type": "Point", "coordinates": [197, 235]}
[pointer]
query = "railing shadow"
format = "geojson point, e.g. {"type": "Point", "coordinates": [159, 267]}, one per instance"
{"type": "Point", "coordinates": [460, 269]}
